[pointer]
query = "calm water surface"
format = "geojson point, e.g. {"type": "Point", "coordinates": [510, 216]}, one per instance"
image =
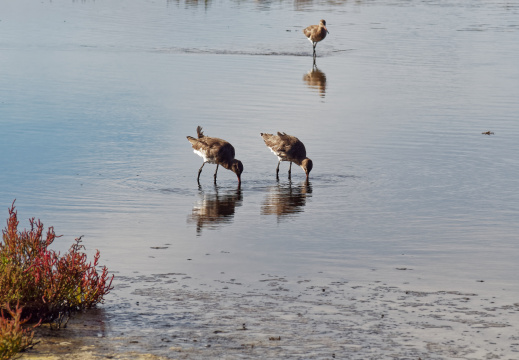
{"type": "Point", "coordinates": [97, 98]}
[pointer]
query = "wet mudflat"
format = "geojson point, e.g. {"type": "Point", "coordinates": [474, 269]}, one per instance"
{"type": "Point", "coordinates": [174, 316]}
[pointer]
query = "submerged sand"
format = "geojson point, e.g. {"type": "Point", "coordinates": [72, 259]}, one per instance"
{"type": "Point", "coordinates": [174, 316]}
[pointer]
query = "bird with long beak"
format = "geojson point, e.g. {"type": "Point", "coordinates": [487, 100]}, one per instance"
{"type": "Point", "coordinates": [215, 151]}
{"type": "Point", "coordinates": [288, 148]}
{"type": "Point", "coordinates": [316, 33]}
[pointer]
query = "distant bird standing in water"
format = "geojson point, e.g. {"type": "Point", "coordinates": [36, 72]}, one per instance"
{"type": "Point", "coordinates": [316, 33]}
{"type": "Point", "coordinates": [215, 151]}
{"type": "Point", "coordinates": [288, 148]}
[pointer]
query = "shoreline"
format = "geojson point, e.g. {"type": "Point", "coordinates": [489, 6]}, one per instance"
{"type": "Point", "coordinates": [173, 316]}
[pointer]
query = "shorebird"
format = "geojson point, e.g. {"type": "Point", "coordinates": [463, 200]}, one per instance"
{"type": "Point", "coordinates": [316, 33]}
{"type": "Point", "coordinates": [288, 148]}
{"type": "Point", "coordinates": [215, 151]}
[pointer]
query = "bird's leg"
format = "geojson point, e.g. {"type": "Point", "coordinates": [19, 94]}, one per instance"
{"type": "Point", "coordinates": [216, 172]}
{"type": "Point", "coordinates": [314, 44]}
{"type": "Point", "coordinates": [199, 172]}
{"type": "Point", "coordinates": [290, 170]}
{"type": "Point", "coordinates": [277, 170]}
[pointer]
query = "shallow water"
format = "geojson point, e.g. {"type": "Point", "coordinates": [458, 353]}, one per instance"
{"type": "Point", "coordinates": [98, 97]}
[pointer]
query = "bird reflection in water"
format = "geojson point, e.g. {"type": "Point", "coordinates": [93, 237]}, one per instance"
{"type": "Point", "coordinates": [285, 200]}
{"type": "Point", "coordinates": [214, 209]}
{"type": "Point", "coordinates": [316, 79]}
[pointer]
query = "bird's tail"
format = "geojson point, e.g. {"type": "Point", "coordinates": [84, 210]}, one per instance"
{"type": "Point", "coordinates": [199, 132]}
{"type": "Point", "coordinates": [192, 140]}
{"type": "Point", "coordinates": [265, 136]}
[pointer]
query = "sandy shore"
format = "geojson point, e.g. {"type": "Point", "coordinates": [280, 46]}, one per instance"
{"type": "Point", "coordinates": [173, 316]}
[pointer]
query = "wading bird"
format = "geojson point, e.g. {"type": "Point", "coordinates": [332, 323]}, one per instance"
{"type": "Point", "coordinates": [215, 151]}
{"type": "Point", "coordinates": [288, 148]}
{"type": "Point", "coordinates": [316, 33]}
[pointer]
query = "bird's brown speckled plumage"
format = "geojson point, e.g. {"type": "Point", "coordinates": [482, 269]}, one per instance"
{"type": "Point", "coordinates": [316, 33]}
{"type": "Point", "coordinates": [288, 148]}
{"type": "Point", "coordinates": [215, 151]}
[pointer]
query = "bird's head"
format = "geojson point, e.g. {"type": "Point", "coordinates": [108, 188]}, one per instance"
{"type": "Point", "coordinates": [237, 168]}
{"type": "Point", "coordinates": [307, 166]}
{"type": "Point", "coordinates": [323, 24]}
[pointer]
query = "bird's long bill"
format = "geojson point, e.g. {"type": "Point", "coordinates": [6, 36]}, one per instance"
{"type": "Point", "coordinates": [239, 180]}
